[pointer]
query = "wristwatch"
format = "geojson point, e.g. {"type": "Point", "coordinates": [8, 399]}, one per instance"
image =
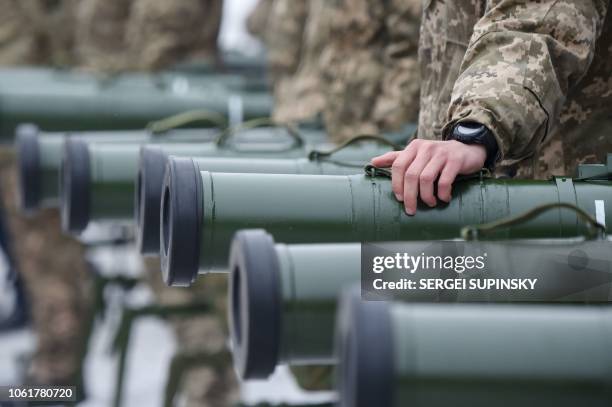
{"type": "Point", "coordinates": [476, 133]}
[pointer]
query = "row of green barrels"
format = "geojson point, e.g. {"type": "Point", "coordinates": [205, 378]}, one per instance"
{"type": "Point", "coordinates": [297, 304]}
{"type": "Point", "coordinates": [64, 100]}
{"type": "Point", "coordinates": [192, 191]}
{"type": "Point", "coordinates": [189, 194]}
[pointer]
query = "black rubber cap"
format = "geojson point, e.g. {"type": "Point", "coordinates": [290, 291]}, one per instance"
{"type": "Point", "coordinates": [254, 304]}
{"type": "Point", "coordinates": [180, 222]}
{"type": "Point", "coordinates": [75, 183]}
{"type": "Point", "coordinates": [364, 346]}
{"type": "Point", "coordinates": [148, 197]}
{"type": "Point", "coordinates": [28, 166]}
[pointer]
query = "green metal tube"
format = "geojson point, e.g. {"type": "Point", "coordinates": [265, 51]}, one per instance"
{"type": "Point", "coordinates": [97, 180]}
{"type": "Point", "coordinates": [39, 156]}
{"type": "Point", "coordinates": [265, 159]}
{"type": "Point", "coordinates": [86, 103]}
{"type": "Point", "coordinates": [464, 355]}
{"type": "Point", "coordinates": [283, 298]}
{"type": "Point", "coordinates": [206, 209]}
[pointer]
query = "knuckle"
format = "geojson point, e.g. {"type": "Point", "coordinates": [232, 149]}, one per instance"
{"type": "Point", "coordinates": [444, 183]}
{"type": "Point", "coordinates": [395, 166]}
{"type": "Point", "coordinates": [415, 143]}
{"type": "Point", "coordinates": [427, 146]}
{"type": "Point", "coordinates": [411, 175]}
{"type": "Point", "coordinates": [441, 154]}
{"type": "Point", "coordinates": [427, 178]}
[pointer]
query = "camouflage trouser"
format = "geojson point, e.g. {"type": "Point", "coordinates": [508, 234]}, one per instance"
{"type": "Point", "coordinates": [205, 385]}
{"type": "Point", "coordinates": [57, 284]}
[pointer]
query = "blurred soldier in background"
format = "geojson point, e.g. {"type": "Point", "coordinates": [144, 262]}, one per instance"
{"type": "Point", "coordinates": [52, 265]}
{"type": "Point", "coordinates": [101, 34]}
{"type": "Point", "coordinates": [536, 75]}
{"type": "Point", "coordinates": [18, 40]}
{"type": "Point", "coordinates": [115, 35]}
{"type": "Point", "coordinates": [36, 32]}
{"type": "Point", "coordinates": [161, 33]}
{"type": "Point", "coordinates": [369, 68]}
{"type": "Point", "coordinates": [298, 95]}
{"type": "Point", "coordinates": [353, 62]}
{"type": "Point", "coordinates": [107, 36]}
{"type": "Point", "coordinates": [152, 35]}
{"type": "Point", "coordinates": [257, 20]}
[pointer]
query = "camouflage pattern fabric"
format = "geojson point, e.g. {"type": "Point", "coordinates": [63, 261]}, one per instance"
{"type": "Point", "coordinates": [284, 36]}
{"type": "Point", "coordinates": [100, 34]}
{"type": "Point", "coordinates": [398, 101]}
{"type": "Point", "coordinates": [161, 33]}
{"type": "Point", "coordinates": [358, 67]}
{"type": "Point", "coordinates": [257, 21]}
{"type": "Point", "coordinates": [58, 19]}
{"type": "Point", "coordinates": [370, 67]}
{"type": "Point", "coordinates": [37, 32]}
{"type": "Point", "coordinates": [116, 35]}
{"type": "Point", "coordinates": [57, 284]}
{"type": "Point", "coordinates": [299, 96]}
{"type": "Point", "coordinates": [536, 73]}
{"type": "Point", "coordinates": [18, 41]}
{"type": "Point", "coordinates": [41, 32]}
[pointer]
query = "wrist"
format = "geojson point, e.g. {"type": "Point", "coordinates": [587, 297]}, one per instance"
{"type": "Point", "coordinates": [478, 135]}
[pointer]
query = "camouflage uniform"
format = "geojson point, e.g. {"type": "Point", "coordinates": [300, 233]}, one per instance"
{"type": "Point", "coordinates": [161, 33]}
{"type": "Point", "coordinates": [537, 74]}
{"type": "Point", "coordinates": [369, 68]}
{"type": "Point", "coordinates": [298, 94]}
{"type": "Point", "coordinates": [57, 283]}
{"type": "Point", "coordinates": [40, 32]}
{"type": "Point", "coordinates": [283, 36]}
{"type": "Point", "coordinates": [100, 34]}
{"type": "Point", "coordinates": [358, 67]}
{"type": "Point", "coordinates": [115, 35]}
{"type": "Point", "coordinates": [36, 31]}
{"type": "Point", "coordinates": [257, 20]}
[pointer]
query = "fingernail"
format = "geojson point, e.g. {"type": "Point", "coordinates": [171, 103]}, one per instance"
{"type": "Point", "coordinates": [399, 197]}
{"type": "Point", "coordinates": [410, 212]}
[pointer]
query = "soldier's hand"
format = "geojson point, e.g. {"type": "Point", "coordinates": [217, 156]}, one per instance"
{"type": "Point", "coordinates": [416, 168]}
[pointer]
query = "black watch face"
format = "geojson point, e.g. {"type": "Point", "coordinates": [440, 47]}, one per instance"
{"type": "Point", "coordinates": [468, 129]}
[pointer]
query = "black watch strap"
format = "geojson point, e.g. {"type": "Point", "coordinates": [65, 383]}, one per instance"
{"type": "Point", "coordinates": [476, 133]}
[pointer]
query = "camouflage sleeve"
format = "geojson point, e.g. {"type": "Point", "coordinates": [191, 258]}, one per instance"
{"type": "Point", "coordinates": [522, 60]}
{"type": "Point", "coordinates": [258, 19]}
{"type": "Point", "coordinates": [284, 35]}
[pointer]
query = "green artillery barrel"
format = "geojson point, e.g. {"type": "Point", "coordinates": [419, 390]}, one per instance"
{"type": "Point", "coordinates": [153, 160]}
{"type": "Point", "coordinates": [39, 157]}
{"type": "Point", "coordinates": [88, 104]}
{"type": "Point", "coordinates": [465, 355]}
{"type": "Point", "coordinates": [283, 298]}
{"type": "Point", "coordinates": [201, 211]}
